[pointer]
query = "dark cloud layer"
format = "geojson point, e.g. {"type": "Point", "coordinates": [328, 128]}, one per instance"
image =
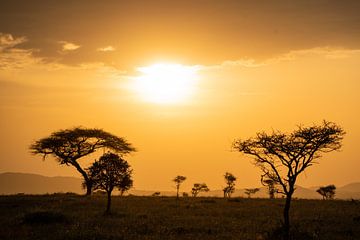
{"type": "Point", "coordinates": [203, 31]}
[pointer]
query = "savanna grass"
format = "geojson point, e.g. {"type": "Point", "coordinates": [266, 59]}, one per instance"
{"type": "Point", "coordinates": [78, 217]}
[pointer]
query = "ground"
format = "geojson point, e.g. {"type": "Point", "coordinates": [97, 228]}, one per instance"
{"type": "Point", "coordinates": [68, 216]}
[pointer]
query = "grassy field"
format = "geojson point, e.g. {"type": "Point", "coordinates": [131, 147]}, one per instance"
{"type": "Point", "coordinates": [77, 217]}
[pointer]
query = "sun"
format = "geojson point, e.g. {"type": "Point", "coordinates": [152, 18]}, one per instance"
{"type": "Point", "coordinates": [165, 83]}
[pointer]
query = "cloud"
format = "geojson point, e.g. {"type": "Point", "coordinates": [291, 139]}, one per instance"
{"type": "Point", "coordinates": [69, 46]}
{"type": "Point", "coordinates": [12, 57]}
{"type": "Point", "coordinates": [8, 41]}
{"type": "Point", "coordinates": [106, 49]}
{"type": "Point", "coordinates": [326, 52]}
{"type": "Point", "coordinates": [323, 52]}
{"type": "Point", "coordinates": [17, 58]}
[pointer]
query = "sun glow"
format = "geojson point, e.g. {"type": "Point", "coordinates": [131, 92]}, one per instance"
{"type": "Point", "coordinates": [166, 83]}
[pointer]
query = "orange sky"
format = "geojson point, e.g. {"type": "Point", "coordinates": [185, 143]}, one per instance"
{"type": "Point", "coordinates": [261, 65]}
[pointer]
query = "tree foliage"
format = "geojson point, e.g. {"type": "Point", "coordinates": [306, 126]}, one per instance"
{"type": "Point", "coordinates": [271, 186]}
{"type": "Point", "coordinates": [178, 180]}
{"type": "Point", "coordinates": [199, 187]}
{"type": "Point", "coordinates": [69, 145]}
{"type": "Point", "coordinates": [327, 192]}
{"type": "Point", "coordinates": [282, 157]}
{"type": "Point", "coordinates": [230, 184]}
{"type": "Point", "coordinates": [251, 191]}
{"type": "Point", "coordinates": [110, 172]}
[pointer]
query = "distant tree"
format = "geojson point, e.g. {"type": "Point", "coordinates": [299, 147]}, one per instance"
{"type": "Point", "coordinates": [271, 186]}
{"type": "Point", "coordinates": [156, 194]}
{"type": "Point", "coordinates": [199, 187]}
{"type": "Point", "coordinates": [185, 194]}
{"type": "Point", "coordinates": [69, 145]}
{"type": "Point", "coordinates": [178, 180]}
{"type": "Point", "coordinates": [327, 192]}
{"type": "Point", "coordinates": [230, 184]}
{"type": "Point", "coordinates": [282, 157]}
{"type": "Point", "coordinates": [110, 172]}
{"type": "Point", "coordinates": [250, 191]}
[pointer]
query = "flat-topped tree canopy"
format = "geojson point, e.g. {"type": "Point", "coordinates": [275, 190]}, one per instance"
{"type": "Point", "coordinates": [71, 144]}
{"type": "Point", "coordinates": [68, 145]}
{"type": "Point", "coordinates": [283, 157]}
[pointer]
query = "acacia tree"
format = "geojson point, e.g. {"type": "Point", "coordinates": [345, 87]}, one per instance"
{"type": "Point", "coordinates": [270, 184]}
{"type": "Point", "coordinates": [282, 157]}
{"type": "Point", "coordinates": [250, 191]}
{"type": "Point", "coordinates": [69, 145]}
{"type": "Point", "coordinates": [110, 172]}
{"type": "Point", "coordinates": [178, 180]}
{"type": "Point", "coordinates": [199, 187]}
{"type": "Point", "coordinates": [327, 192]}
{"type": "Point", "coordinates": [230, 184]}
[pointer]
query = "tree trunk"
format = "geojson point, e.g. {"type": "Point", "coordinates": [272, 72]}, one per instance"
{"type": "Point", "coordinates": [87, 180]}
{"type": "Point", "coordinates": [287, 216]}
{"type": "Point", "coordinates": [108, 202]}
{"type": "Point", "coordinates": [88, 187]}
{"type": "Point", "coordinates": [177, 191]}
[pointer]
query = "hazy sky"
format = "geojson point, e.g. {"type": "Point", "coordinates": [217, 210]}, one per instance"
{"type": "Point", "coordinates": [260, 65]}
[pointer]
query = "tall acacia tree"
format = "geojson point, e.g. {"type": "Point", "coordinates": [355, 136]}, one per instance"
{"type": "Point", "coordinates": [69, 145]}
{"type": "Point", "coordinates": [282, 157]}
{"type": "Point", "coordinates": [230, 184]}
{"type": "Point", "coordinates": [178, 181]}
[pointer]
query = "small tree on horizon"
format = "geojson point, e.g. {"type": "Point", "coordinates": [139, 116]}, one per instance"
{"type": "Point", "coordinates": [250, 191]}
{"type": "Point", "coordinates": [283, 157]}
{"type": "Point", "coordinates": [327, 192]}
{"type": "Point", "coordinates": [156, 194]}
{"type": "Point", "coordinates": [70, 145]}
{"type": "Point", "coordinates": [178, 181]}
{"type": "Point", "coordinates": [199, 187]}
{"type": "Point", "coordinates": [110, 172]}
{"type": "Point", "coordinates": [230, 184]}
{"type": "Point", "coordinates": [271, 186]}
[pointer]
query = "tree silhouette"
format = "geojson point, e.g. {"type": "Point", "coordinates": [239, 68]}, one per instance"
{"type": "Point", "coordinates": [282, 157]}
{"type": "Point", "coordinates": [250, 191]}
{"type": "Point", "coordinates": [270, 184]}
{"type": "Point", "coordinates": [69, 145]}
{"type": "Point", "coordinates": [156, 194]}
{"type": "Point", "coordinates": [327, 192]}
{"type": "Point", "coordinates": [199, 187]}
{"type": "Point", "coordinates": [178, 180]}
{"type": "Point", "coordinates": [110, 172]}
{"type": "Point", "coordinates": [125, 184]}
{"type": "Point", "coordinates": [230, 184]}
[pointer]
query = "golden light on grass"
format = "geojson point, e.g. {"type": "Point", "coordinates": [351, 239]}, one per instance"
{"type": "Point", "coordinates": [165, 83]}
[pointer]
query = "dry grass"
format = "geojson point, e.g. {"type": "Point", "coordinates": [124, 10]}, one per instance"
{"type": "Point", "coordinates": [77, 217]}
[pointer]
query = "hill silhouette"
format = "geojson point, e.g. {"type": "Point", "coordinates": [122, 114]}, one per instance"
{"type": "Point", "coordinates": [13, 183]}
{"type": "Point", "coordinates": [27, 183]}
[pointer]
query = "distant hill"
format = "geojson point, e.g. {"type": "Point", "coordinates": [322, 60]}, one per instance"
{"type": "Point", "coordinates": [13, 183]}
{"type": "Point", "coordinates": [352, 187]}
{"type": "Point", "coordinates": [351, 190]}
